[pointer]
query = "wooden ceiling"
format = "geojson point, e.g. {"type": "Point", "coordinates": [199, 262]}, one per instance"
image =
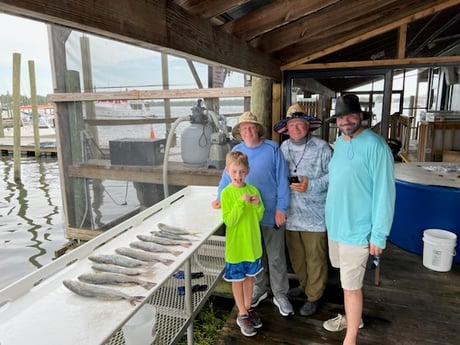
{"type": "Point", "coordinates": [265, 38]}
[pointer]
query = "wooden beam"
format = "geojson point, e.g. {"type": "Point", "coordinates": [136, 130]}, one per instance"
{"type": "Point", "coordinates": [209, 8]}
{"type": "Point", "coordinates": [268, 18]}
{"type": "Point", "coordinates": [359, 36]}
{"type": "Point", "coordinates": [402, 41]}
{"type": "Point", "coordinates": [151, 94]}
{"type": "Point", "coordinates": [178, 173]}
{"type": "Point", "coordinates": [408, 62]}
{"type": "Point", "coordinates": [342, 17]}
{"type": "Point", "coordinates": [157, 24]}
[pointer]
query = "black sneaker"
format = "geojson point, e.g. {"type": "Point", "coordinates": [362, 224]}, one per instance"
{"type": "Point", "coordinates": [309, 308]}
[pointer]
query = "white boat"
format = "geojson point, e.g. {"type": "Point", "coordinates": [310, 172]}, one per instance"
{"type": "Point", "coordinates": [121, 108]}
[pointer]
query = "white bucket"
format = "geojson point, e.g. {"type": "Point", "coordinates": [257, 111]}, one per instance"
{"type": "Point", "coordinates": [140, 329]}
{"type": "Point", "coordinates": [438, 249]}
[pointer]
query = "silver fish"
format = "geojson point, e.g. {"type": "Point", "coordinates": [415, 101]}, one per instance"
{"type": "Point", "coordinates": [113, 279]}
{"type": "Point", "coordinates": [170, 236]}
{"type": "Point", "coordinates": [117, 269]}
{"type": "Point", "coordinates": [89, 290]}
{"type": "Point", "coordinates": [176, 230]}
{"type": "Point", "coordinates": [116, 260]}
{"type": "Point", "coordinates": [164, 241]}
{"type": "Point", "coordinates": [142, 255]}
{"type": "Point", "coordinates": [154, 247]}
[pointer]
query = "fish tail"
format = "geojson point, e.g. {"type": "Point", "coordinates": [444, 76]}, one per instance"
{"type": "Point", "coordinates": [135, 299]}
{"type": "Point", "coordinates": [167, 262]}
{"type": "Point", "coordinates": [176, 252]}
{"type": "Point", "coordinates": [148, 285]}
{"type": "Point", "coordinates": [186, 245]}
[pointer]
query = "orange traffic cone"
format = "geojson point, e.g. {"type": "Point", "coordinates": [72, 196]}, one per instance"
{"type": "Point", "coordinates": [152, 133]}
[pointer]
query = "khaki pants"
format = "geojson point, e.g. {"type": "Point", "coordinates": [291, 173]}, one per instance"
{"type": "Point", "coordinates": [309, 259]}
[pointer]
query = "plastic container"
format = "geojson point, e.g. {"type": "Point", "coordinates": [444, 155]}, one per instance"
{"type": "Point", "coordinates": [195, 144]}
{"type": "Point", "coordinates": [438, 249]}
{"type": "Point", "coordinates": [140, 329]}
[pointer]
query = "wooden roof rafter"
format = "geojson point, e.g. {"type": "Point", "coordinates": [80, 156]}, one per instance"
{"type": "Point", "coordinates": [302, 62]}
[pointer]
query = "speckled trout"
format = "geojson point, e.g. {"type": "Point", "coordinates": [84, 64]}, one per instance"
{"type": "Point", "coordinates": [118, 260]}
{"type": "Point", "coordinates": [175, 230]}
{"type": "Point", "coordinates": [118, 269]}
{"type": "Point", "coordinates": [164, 241]}
{"type": "Point", "coordinates": [113, 279]}
{"type": "Point", "coordinates": [142, 255]}
{"type": "Point", "coordinates": [154, 247]}
{"type": "Point", "coordinates": [90, 290]}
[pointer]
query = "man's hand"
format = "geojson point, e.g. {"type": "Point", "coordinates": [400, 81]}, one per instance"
{"type": "Point", "coordinates": [280, 218]}
{"type": "Point", "coordinates": [215, 204]}
{"type": "Point", "coordinates": [374, 250]}
{"type": "Point", "coordinates": [302, 186]}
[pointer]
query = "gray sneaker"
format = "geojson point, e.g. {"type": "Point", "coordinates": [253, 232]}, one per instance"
{"type": "Point", "coordinates": [255, 319]}
{"type": "Point", "coordinates": [338, 323]}
{"type": "Point", "coordinates": [283, 304]}
{"type": "Point", "coordinates": [246, 326]}
{"type": "Point", "coordinates": [258, 297]}
{"type": "Point", "coordinates": [308, 308]}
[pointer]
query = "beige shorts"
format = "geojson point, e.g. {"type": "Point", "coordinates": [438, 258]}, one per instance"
{"type": "Point", "coordinates": [351, 260]}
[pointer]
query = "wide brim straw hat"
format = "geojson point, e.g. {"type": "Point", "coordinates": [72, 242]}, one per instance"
{"type": "Point", "coordinates": [346, 105]}
{"type": "Point", "coordinates": [247, 117]}
{"type": "Point", "coordinates": [296, 111]}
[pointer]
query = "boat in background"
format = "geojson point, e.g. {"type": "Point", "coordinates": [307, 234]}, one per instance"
{"type": "Point", "coordinates": [123, 108]}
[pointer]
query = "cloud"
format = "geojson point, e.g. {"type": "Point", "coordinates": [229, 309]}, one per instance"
{"type": "Point", "coordinates": [30, 39]}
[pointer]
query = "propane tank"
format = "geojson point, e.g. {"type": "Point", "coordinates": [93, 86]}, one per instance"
{"type": "Point", "coordinates": [196, 138]}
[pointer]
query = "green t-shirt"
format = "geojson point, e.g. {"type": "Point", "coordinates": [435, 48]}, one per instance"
{"type": "Point", "coordinates": [243, 238]}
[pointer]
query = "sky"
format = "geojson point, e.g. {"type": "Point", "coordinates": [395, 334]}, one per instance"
{"type": "Point", "coordinates": [30, 39]}
{"type": "Point", "coordinates": [115, 65]}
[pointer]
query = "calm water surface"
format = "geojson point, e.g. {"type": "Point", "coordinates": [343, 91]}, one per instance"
{"type": "Point", "coordinates": [31, 218]}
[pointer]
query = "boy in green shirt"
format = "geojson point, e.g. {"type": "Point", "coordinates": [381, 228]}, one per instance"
{"type": "Point", "coordinates": [242, 210]}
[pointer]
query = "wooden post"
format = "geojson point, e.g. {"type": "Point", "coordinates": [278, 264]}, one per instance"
{"type": "Point", "coordinates": [276, 110]}
{"type": "Point", "coordinates": [16, 116]}
{"type": "Point", "coordinates": [75, 123]}
{"type": "Point", "coordinates": [33, 97]}
{"type": "Point", "coordinates": [166, 101]}
{"type": "Point", "coordinates": [261, 102]}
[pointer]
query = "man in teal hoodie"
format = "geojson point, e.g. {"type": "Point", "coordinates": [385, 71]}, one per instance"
{"type": "Point", "coordinates": [359, 207]}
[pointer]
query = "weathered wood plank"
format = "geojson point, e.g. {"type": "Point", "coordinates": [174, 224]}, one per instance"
{"type": "Point", "coordinates": [152, 94]}
{"type": "Point", "coordinates": [178, 173]}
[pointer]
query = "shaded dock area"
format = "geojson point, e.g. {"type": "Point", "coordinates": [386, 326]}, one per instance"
{"type": "Point", "coordinates": [412, 305]}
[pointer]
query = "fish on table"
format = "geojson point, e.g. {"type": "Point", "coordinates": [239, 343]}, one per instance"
{"type": "Point", "coordinates": [119, 260]}
{"type": "Point", "coordinates": [154, 247]}
{"type": "Point", "coordinates": [170, 236]}
{"type": "Point", "coordinates": [175, 230]}
{"type": "Point", "coordinates": [142, 255]}
{"type": "Point", "coordinates": [114, 279]}
{"type": "Point", "coordinates": [100, 292]}
{"type": "Point", "coordinates": [164, 241]}
{"type": "Point", "coordinates": [118, 269]}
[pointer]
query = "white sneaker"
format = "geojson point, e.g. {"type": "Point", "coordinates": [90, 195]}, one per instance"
{"type": "Point", "coordinates": [338, 323]}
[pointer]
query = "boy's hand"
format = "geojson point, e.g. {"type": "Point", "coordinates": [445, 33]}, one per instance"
{"type": "Point", "coordinates": [215, 204]}
{"type": "Point", "coordinates": [254, 199]}
{"type": "Point", "coordinates": [246, 197]}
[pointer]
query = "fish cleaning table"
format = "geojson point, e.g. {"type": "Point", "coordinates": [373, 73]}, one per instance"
{"type": "Point", "coordinates": [39, 309]}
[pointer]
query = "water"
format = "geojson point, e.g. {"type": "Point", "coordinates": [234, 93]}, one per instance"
{"type": "Point", "coordinates": [31, 217]}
